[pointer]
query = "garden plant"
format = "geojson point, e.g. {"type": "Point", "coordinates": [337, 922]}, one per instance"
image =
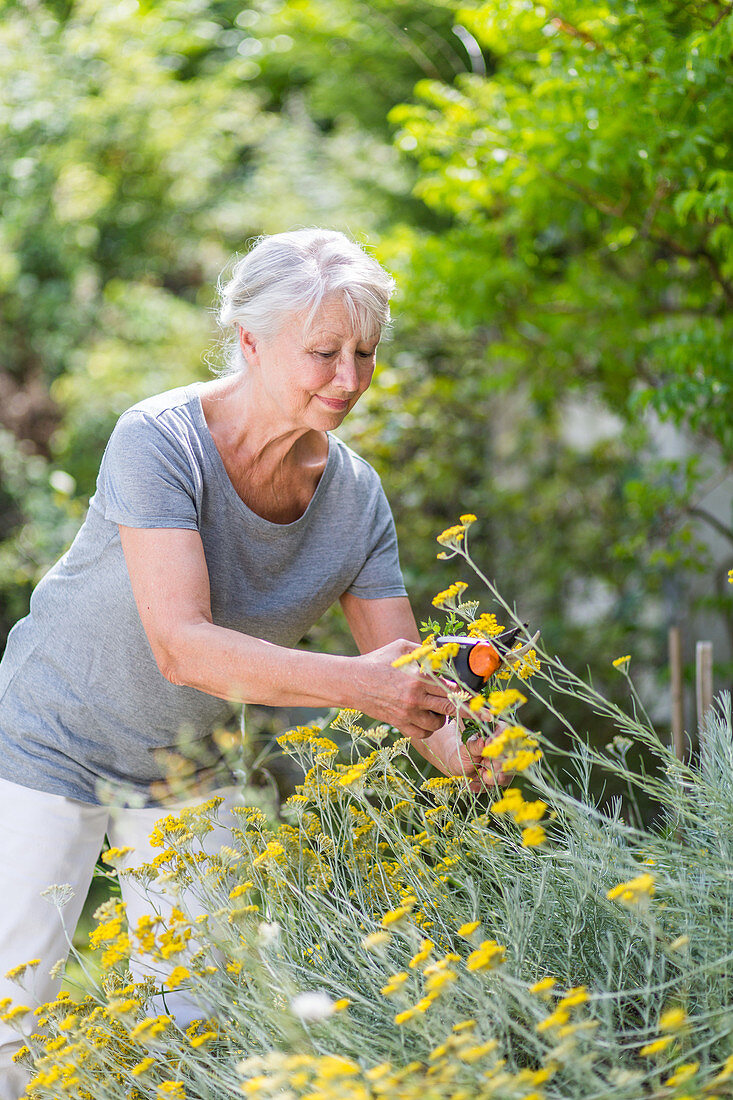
{"type": "Point", "coordinates": [387, 935]}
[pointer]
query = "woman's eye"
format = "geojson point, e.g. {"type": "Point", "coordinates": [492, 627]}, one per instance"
{"type": "Point", "coordinates": [326, 354]}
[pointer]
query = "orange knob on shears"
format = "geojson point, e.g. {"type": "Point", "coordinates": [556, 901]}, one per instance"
{"type": "Point", "coordinates": [483, 659]}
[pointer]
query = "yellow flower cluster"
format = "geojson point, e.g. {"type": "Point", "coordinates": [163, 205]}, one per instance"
{"type": "Point", "coordinates": [527, 666]}
{"type": "Point", "coordinates": [111, 931]}
{"type": "Point", "coordinates": [515, 747]}
{"type": "Point", "coordinates": [631, 893]}
{"type": "Point", "coordinates": [485, 626]}
{"type": "Point", "coordinates": [452, 536]}
{"type": "Point", "coordinates": [417, 654]}
{"type": "Point", "coordinates": [451, 596]}
{"type": "Point", "coordinates": [559, 1018]}
{"type": "Point", "coordinates": [18, 972]}
{"type": "Point", "coordinates": [500, 701]}
{"type": "Point", "coordinates": [486, 957]}
{"type": "Point", "coordinates": [310, 738]}
{"type": "Point", "coordinates": [394, 916]}
{"type": "Point", "coordinates": [526, 814]}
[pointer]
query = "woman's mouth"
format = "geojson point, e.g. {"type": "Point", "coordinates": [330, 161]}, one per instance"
{"type": "Point", "coordinates": [335, 403]}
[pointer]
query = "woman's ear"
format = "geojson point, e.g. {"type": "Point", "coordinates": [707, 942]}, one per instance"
{"type": "Point", "coordinates": [248, 343]}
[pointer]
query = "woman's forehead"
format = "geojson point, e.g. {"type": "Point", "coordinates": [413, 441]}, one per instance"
{"type": "Point", "coordinates": [333, 321]}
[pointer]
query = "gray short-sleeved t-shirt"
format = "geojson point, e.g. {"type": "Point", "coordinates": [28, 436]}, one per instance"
{"type": "Point", "coordinates": [84, 710]}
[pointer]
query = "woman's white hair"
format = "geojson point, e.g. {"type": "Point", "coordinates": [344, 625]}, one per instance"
{"type": "Point", "coordinates": [294, 273]}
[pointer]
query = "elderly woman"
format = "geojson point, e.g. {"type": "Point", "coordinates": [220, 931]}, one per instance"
{"type": "Point", "coordinates": [226, 519]}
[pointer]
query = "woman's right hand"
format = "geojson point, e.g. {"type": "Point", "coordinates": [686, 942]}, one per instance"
{"type": "Point", "coordinates": [403, 697]}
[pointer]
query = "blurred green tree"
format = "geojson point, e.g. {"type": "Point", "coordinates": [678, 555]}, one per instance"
{"type": "Point", "coordinates": [586, 276]}
{"type": "Point", "coordinates": [555, 205]}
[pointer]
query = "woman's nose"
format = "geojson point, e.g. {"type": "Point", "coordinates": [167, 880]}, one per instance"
{"type": "Point", "coordinates": [347, 374]}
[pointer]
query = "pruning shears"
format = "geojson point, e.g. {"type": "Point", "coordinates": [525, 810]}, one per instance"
{"type": "Point", "coordinates": [479, 658]}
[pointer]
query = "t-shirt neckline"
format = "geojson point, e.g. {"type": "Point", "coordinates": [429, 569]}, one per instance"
{"type": "Point", "coordinates": [194, 393]}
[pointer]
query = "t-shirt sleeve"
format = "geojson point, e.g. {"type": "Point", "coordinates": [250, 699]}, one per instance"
{"type": "Point", "coordinates": [145, 479]}
{"type": "Point", "coordinates": [380, 576]}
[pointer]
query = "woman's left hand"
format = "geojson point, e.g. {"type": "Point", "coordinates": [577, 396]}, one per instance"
{"type": "Point", "coordinates": [446, 751]}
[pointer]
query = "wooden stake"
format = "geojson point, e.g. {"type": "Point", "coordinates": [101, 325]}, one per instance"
{"type": "Point", "coordinates": [675, 670]}
{"type": "Point", "coordinates": [704, 679]}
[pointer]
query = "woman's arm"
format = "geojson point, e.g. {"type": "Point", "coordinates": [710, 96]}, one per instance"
{"type": "Point", "coordinates": [170, 584]}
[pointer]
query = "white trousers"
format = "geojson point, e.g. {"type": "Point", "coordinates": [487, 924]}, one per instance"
{"type": "Point", "coordinates": [46, 839]}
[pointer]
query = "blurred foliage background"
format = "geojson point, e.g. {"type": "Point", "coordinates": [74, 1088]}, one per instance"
{"type": "Point", "coordinates": [552, 188]}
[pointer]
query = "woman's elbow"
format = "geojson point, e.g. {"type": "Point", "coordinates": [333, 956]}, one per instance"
{"type": "Point", "coordinates": [170, 657]}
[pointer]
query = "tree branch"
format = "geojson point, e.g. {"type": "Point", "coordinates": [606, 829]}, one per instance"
{"type": "Point", "coordinates": [712, 521]}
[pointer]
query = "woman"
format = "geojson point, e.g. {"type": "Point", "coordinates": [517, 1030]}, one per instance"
{"type": "Point", "coordinates": [226, 520]}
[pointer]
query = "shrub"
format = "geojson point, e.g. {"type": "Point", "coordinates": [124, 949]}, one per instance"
{"type": "Point", "coordinates": [394, 936]}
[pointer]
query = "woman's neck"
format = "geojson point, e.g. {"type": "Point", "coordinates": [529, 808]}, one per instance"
{"type": "Point", "coordinates": [253, 434]}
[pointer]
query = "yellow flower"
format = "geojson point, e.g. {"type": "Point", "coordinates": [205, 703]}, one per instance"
{"type": "Point", "coordinates": [239, 890]}
{"type": "Point", "coordinates": [533, 836]}
{"type": "Point", "coordinates": [673, 1019]}
{"type": "Point", "coordinates": [578, 995]}
{"type": "Point", "coordinates": [394, 916]}
{"type": "Point", "coordinates": [530, 812]}
{"type": "Point", "coordinates": [19, 971]}
{"type": "Point", "coordinates": [443, 653]}
{"type": "Point", "coordinates": [556, 1019]}
{"type": "Point", "coordinates": [657, 1046]}
{"type": "Point", "coordinates": [341, 1004]}
{"type": "Point", "coordinates": [730, 576]}
{"type": "Point", "coordinates": [489, 955]}
{"type": "Point", "coordinates": [509, 803]}
{"type": "Point", "coordinates": [622, 663]}
{"type": "Point", "coordinates": [450, 597]}
{"type": "Point", "coordinates": [629, 893]}
{"type": "Point", "coordinates": [499, 701]}
{"type": "Point", "coordinates": [113, 856]}
{"type": "Point", "coordinates": [426, 948]}
{"type": "Point", "coordinates": [394, 983]}
{"type": "Point", "coordinates": [467, 519]}
{"type": "Point", "coordinates": [142, 1067]}
{"type": "Point", "coordinates": [199, 1040]}
{"type": "Point", "coordinates": [425, 1002]}
{"type": "Point", "coordinates": [468, 929]}
{"type": "Point", "coordinates": [544, 985]}
{"type": "Point", "coordinates": [451, 536]}
{"type": "Point", "coordinates": [402, 1017]}
{"type": "Point", "coordinates": [528, 665]}
{"type": "Point", "coordinates": [682, 1073]}
{"type": "Point", "coordinates": [485, 626]}
{"type": "Point", "coordinates": [375, 940]}
{"type": "Point", "coordinates": [171, 1090]}
{"type": "Point", "coordinates": [521, 760]}
{"type": "Point", "coordinates": [473, 1054]}
{"type": "Point", "coordinates": [177, 975]}
{"type": "Point", "coordinates": [438, 979]}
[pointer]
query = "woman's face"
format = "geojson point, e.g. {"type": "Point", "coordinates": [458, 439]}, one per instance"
{"type": "Point", "coordinates": [313, 378]}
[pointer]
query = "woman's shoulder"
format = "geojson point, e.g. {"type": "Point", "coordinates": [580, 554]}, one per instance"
{"type": "Point", "coordinates": [163, 427]}
{"type": "Point", "coordinates": [171, 414]}
{"type": "Point", "coordinates": [170, 401]}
